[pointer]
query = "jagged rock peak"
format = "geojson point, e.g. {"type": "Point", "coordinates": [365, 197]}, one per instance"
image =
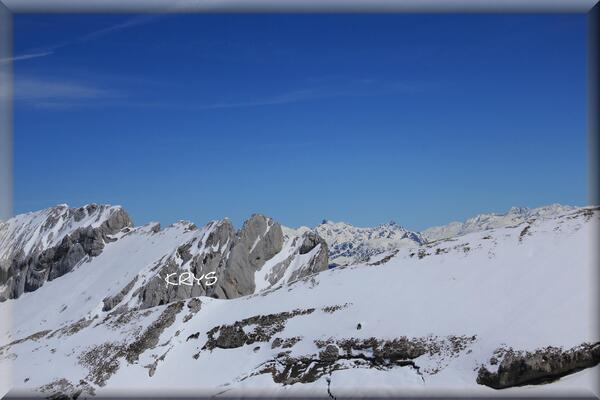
{"type": "Point", "coordinates": [236, 262]}
{"type": "Point", "coordinates": [262, 237]}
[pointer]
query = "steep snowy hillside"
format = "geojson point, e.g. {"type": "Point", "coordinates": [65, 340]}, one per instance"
{"type": "Point", "coordinates": [496, 311]}
{"type": "Point", "coordinates": [514, 216]}
{"type": "Point", "coordinates": [349, 244]}
{"type": "Point", "coordinates": [43, 245]}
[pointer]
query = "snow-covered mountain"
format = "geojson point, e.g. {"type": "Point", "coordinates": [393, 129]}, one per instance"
{"type": "Point", "coordinates": [42, 246]}
{"type": "Point", "coordinates": [349, 244]}
{"type": "Point", "coordinates": [514, 216]}
{"type": "Point", "coordinates": [505, 308]}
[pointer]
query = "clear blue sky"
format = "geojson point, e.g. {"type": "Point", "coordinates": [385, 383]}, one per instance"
{"type": "Point", "coordinates": [422, 119]}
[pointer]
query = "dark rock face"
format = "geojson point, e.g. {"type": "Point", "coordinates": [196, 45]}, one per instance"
{"type": "Point", "coordinates": [388, 351]}
{"type": "Point", "coordinates": [63, 389]}
{"type": "Point", "coordinates": [117, 221]}
{"type": "Point", "coordinates": [194, 305]}
{"type": "Point", "coordinates": [541, 366]}
{"type": "Point", "coordinates": [285, 343]}
{"type": "Point", "coordinates": [149, 338]}
{"type": "Point", "coordinates": [233, 336]}
{"type": "Point", "coordinates": [288, 370]}
{"type": "Point", "coordinates": [111, 301]}
{"type": "Point", "coordinates": [156, 292]}
{"type": "Point", "coordinates": [259, 239]}
{"type": "Point", "coordinates": [319, 262]}
{"type": "Point", "coordinates": [101, 361]}
{"type": "Point", "coordinates": [358, 353]}
{"type": "Point", "coordinates": [211, 258]}
{"type": "Point", "coordinates": [233, 257]}
{"type": "Point", "coordinates": [29, 272]}
{"type": "Point", "coordinates": [35, 336]}
{"type": "Point", "coordinates": [310, 240]}
{"type": "Point", "coordinates": [104, 360]}
{"type": "Point", "coordinates": [269, 236]}
{"type": "Point", "coordinates": [330, 354]}
{"type": "Point", "coordinates": [229, 257]}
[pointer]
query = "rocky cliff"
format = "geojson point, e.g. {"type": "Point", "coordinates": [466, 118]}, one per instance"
{"type": "Point", "coordinates": [215, 260]}
{"type": "Point", "coordinates": [44, 245]}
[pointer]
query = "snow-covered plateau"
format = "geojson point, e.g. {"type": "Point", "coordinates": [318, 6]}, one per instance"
{"type": "Point", "coordinates": [502, 304]}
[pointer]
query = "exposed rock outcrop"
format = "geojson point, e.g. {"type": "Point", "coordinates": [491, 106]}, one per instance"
{"type": "Point", "coordinates": [111, 301]}
{"type": "Point", "coordinates": [264, 328]}
{"type": "Point", "coordinates": [102, 361]}
{"type": "Point", "coordinates": [262, 237]}
{"type": "Point", "coordinates": [232, 258]}
{"type": "Point", "coordinates": [315, 258]}
{"type": "Point", "coordinates": [359, 353]}
{"type": "Point", "coordinates": [46, 258]}
{"type": "Point", "coordinates": [319, 262]}
{"type": "Point", "coordinates": [541, 366]}
{"type": "Point", "coordinates": [219, 261]}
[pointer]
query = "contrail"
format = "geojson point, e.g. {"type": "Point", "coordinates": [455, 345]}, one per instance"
{"type": "Point", "coordinates": [25, 57]}
{"type": "Point", "coordinates": [48, 50]}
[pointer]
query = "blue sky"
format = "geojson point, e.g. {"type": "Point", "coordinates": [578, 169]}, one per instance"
{"type": "Point", "coordinates": [421, 119]}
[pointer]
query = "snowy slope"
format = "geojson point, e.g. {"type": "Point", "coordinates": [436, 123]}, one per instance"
{"type": "Point", "coordinates": [40, 246]}
{"type": "Point", "coordinates": [447, 306]}
{"type": "Point", "coordinates": [514, 216]}
{"type": "Point", "coordinates": [349, 244]}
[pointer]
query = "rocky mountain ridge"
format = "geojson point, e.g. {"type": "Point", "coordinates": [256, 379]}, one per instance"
{"type": "Point", "coordinates": [349, 244]}
{"type": "Point", "coordinates": [44, 245]}
{"type": "Point", "coordinates": [41, 246]}
{"type": "Point", "coordinates": [501, 309]}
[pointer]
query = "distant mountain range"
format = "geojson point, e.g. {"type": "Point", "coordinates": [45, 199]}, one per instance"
{"type": "Point", "coordinates": [349, 244]}
{"type": "Point", "coordinates": [514, 216]}
{"type": "Point", "coordinates": [99, 306]}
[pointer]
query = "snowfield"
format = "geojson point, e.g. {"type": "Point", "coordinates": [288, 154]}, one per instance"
{"type": "Point", "coordinates": [422, 318]}
{"type": "Point", "coordinates": [514, 216]}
